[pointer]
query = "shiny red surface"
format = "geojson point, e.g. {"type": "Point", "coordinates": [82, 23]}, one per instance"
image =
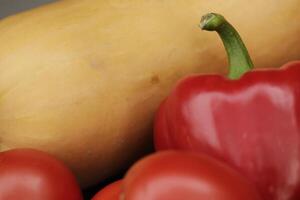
{"type": "Point", "coordinates": [251, 123]}
{"type": "Point", "coordinates": [33, 175]}
{"type": "Point", "coordinates": [174, 175]}
{"type": "Point", "coordinates": [110, 192]}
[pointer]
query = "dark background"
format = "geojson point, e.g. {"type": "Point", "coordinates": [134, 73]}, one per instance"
{"type": "Point", "coordinates": [9, 7]}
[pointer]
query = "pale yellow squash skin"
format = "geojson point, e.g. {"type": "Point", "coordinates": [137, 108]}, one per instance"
{"type": "Point", "coordinates": [82, 79]}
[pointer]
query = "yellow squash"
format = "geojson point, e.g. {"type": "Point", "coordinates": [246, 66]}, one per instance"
{"type": "Point", "coordinates": [82, 79]}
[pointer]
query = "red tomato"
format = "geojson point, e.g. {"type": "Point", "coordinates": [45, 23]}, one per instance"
{"type": "Point", "coordinates": [174, 175]}
{"type": "Point", "coordinates": [110, 192]}
{"type": "Point", "coordinates": [27, 174]}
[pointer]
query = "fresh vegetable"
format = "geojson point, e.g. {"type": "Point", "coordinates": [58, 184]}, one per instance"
{"type": "Point", "coordinates": [27, 174]}
{"type": "Point", "coordinates": [249, 119]}
{"type": "Point", "coordinates": [175, 175]}
{"type": "Point", "coordinates": [82, 79]}
{"type": "Point", "coordinates": [110, 192]}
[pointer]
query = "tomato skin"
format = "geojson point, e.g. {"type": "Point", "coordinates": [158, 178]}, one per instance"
{"type": "Point", "coordinates": [110, 192]}
{"type": "Point", "coordinates": [30, 174]}
{"type": "Point", "coordinates": [175, 175]}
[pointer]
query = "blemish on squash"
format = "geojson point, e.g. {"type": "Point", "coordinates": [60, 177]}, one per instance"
{"type": "Point", "coordinates": [155, 79]}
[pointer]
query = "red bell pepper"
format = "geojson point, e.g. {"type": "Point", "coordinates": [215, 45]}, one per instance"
{"type": "Point", "coordinates": [178, 175]}
{"type": "Point", "coordinates": [250, 119]}
{"type": "Point", "coordinates": [110, 192]}
{"type": "Point", "coordinates": [175, 175]}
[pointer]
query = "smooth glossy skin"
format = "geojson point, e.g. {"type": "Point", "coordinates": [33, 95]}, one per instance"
{"type": "Point", "coordinates": [251, 123]}
{"type": "Point", "coordinates": [110, 192]}
{"type": "Point", "coordinates": [27, 174]}
{"type": "Point", "coordinates": [176, 175]}
{"type": "Point", "coordinates": [81, 79]}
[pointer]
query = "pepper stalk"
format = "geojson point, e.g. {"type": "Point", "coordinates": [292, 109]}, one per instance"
{"type": "Point", "coordinates": [237, 53]}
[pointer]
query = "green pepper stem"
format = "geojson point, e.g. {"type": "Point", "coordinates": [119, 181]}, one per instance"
{"type": "Point", "coordinates": [238, 56]}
